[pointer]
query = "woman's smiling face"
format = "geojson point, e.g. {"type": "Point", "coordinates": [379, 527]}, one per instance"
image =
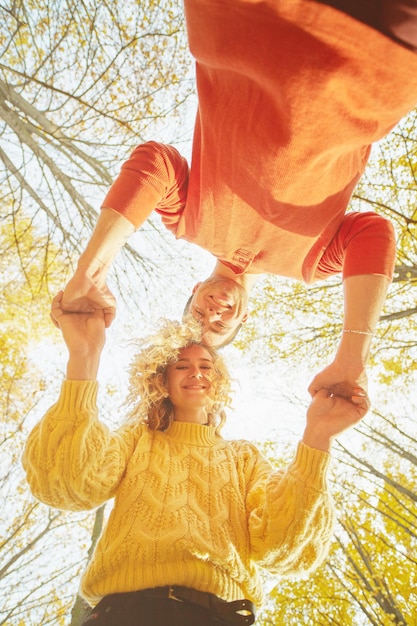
{"type": "Point", "coordinates": [188, 382]}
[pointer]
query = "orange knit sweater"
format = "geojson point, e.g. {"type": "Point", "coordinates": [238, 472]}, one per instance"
{"type": "Point", "coordinates": [291, 96]}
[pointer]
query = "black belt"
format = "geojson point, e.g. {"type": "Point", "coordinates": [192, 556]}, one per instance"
{"type": "Point", "coordinates": [236, 613]}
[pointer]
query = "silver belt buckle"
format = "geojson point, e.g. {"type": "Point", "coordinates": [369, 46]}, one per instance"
{"type": "Point", "coordinates": [172, 596]}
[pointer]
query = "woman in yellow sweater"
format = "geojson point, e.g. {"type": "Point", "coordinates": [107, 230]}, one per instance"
{"type": "Point", "coordinates": [194, 515]}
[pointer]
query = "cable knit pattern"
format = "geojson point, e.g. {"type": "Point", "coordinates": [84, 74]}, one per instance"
{"type": "Point", "coordinates": [190, 508]}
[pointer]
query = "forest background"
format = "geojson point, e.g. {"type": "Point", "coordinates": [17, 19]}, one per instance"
{"type": "Point", "coordinates": [82, 83]}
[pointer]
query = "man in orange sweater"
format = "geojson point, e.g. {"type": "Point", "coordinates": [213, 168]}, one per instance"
{"type": "Point", "coordinates": [292, 94]}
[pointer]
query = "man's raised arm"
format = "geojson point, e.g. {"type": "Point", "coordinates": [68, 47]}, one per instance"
{"type": "Point", "coordinates": [87, 289]}
{"type": "Point", "coordinates": [154, 178]}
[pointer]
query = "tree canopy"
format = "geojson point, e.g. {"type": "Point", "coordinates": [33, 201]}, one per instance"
{"type": "Point", "coordinates": [80, 85]}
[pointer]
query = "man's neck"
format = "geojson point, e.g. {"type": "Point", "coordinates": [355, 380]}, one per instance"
{"type": "Point", "coordinates": [244, 280]}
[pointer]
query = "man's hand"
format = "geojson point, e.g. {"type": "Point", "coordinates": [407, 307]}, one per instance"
{"type": "Point", "coordinates": [339, 380]}
{"type": "Point", "coordinates": [84, 335]}
{"type": "Point", "coordinates": [83, 295]}
{"type": "Point", "coordinates": [87, 290]}
{"type": "Point", "coordinates": [330, 415]}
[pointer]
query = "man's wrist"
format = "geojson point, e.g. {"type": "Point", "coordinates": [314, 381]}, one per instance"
{"type": "Point", "coordinates": [93, 268]}
{"type": "Point", "coordinates": [353, 350]}
{"type": "Point", "coordinates": [110, 235]}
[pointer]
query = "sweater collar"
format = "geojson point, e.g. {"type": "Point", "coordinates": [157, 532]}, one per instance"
{"type": "Point", "coordinates": [196, 434]}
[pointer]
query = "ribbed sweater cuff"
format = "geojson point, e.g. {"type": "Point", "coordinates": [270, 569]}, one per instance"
{"type": "Point", "coordinates": [77, 397]}
{"type": "Point", "coordinates": [311, 465]}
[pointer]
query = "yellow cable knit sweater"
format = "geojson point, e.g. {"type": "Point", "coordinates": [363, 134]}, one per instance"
{"type": "Point", "coordinates": [190, 508]}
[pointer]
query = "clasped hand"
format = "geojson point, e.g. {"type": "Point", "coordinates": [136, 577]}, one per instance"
{"type": "Point", "coordinates": [83, 333]}
{"type": "Point", "coordinates": [85, 294]}
{"type": "Point", "coordinates": [329, 415]}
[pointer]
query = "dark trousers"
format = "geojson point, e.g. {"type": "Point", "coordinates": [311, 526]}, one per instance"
{"type": "Point", "coordinates": [148, 612]}
{"type": "Point", "coordinates": [136, 609]}
{"type": "Point", "coordinates": [397, 19]}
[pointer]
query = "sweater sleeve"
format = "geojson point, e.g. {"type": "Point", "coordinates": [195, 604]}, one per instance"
{"type": "Point", "coordinates": [155, 177]}
{"type": "Point", "coordinates": [291, 514]}
{"type": "Point", "coordinates": [73, 461]}
{"type": "Point", "coordinates": [363, 244]}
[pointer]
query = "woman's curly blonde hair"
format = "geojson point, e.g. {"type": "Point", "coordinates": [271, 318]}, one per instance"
{"type": "Point", "coordinates": [147, 399]}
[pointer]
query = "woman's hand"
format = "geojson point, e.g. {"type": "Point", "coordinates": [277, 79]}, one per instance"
{"type": "Point", "coordinates": [84, 335]}
{"type": "Point", "coordinates": [330, 415]}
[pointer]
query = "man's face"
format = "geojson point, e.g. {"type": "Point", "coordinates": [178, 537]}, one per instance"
{"type": "Point", "coordinates": [220, 304]}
